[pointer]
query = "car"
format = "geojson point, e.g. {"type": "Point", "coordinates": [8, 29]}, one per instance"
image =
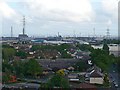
{"type": "Point", "coordinates": [116, 85]}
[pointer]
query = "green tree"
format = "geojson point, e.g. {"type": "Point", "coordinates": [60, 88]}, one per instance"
{"type": "Point", "coordinates": [6, 65]}
{"type": "Point", "coordinates": [6, 76]}
{"type": "Point", "coordinates": [8, 53]}
{"type": "Point", "coordinates": [106, 81]}
{"type": "Point", "coordinates": [35, 47]}
{"type": "Point", "coordinates": [106, 48]}
{"type": "Point", "coordinates": [33, 68]}
{"type": "Point", "coordinates": [102, 59]}
{"type": "Point", "coordinates": [21, 54]}
{"type": "Point", "coordinates": [64, 54]}
{"type": "Point", "coordinates": [19, 68]}
{"type": "Point", "coordinates": [84, 47]}
{"type": "Point", "coordinates": [81, 66]}
{"type": "Point", "coordinates": [118, 63]}
{"type": "Point", "coordinates": [111, 41]}
{"type": "Point", "coordinates": [58, 81]}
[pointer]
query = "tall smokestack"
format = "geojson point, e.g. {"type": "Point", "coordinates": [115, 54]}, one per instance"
{"type": "Point", "coordinates": [23, 25]}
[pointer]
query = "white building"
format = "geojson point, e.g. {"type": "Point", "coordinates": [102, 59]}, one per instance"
{"type": "Point", "coordinates": [96, 77]}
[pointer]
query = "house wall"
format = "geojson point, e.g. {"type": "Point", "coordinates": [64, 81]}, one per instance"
{"type": "Point", "coordinates": [72, 76]}
{"type": "Point", "coordinates": [96, 80]}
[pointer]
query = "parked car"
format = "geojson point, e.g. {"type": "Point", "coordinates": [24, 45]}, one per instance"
{"type": "Point", "coordinates": [116, 85]}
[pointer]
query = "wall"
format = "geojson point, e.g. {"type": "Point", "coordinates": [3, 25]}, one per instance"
{"type": "Point", "coordinates": [96, 80]}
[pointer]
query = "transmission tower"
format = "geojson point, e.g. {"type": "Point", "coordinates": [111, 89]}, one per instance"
{"type": "Point", "coordinates": [108, 34]}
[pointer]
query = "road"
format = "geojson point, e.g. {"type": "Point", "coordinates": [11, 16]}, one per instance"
{"type": "Point", "coordinates": [29, 84]}
{"type": "Point", "coordinates": [21, 86]}
{"type": "Point", "coordinates": [114, 77]}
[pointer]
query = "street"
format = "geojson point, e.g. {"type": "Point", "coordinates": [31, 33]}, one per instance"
{"type": "Point", "coordinates": [114, 77]}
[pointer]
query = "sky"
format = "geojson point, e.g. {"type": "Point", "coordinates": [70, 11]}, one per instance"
{"type": "Point", "coordinates": [68, 17]}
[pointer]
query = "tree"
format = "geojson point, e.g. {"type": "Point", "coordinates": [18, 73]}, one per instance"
{"type": "Point", "coordinates": [118, 63]}
{"type": "Point", "coordinates": [64, 54]}
{"type": "Point", "coordinates": [102, 59]}
{"type": "Point", "coordinates": [6, 76]}
{"type": "Point", "coordinates": [106, 81]}
{"type": "Point", "coordinates": [19, 68]}
{"type": "Point", "coordinates": [84, 47]}
{"type": "Point", "coordinates": [62, 47]}
{"type": "Point", "coordinates": [58, 81]}
{"type": "Point", "coordinates": [21, 54]}
{"type": "Point", "coordinates": [8, 53]}
{"type": "Point", "coordinates": [61, 72]}
{"type": "Point", "coordinates": [106, 48]}
{"type": "Point", "coordinates": [35, 47]}
{"type": "Point", "coordinates": [81, 66]}
{"type": "Point", "coordinates": [6, 65]}
{"type": "Point", "coordinates": [111, 41]}
{"type": "Point", "coordinates": [33, 68]}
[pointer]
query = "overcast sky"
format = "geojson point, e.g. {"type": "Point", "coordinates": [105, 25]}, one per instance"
{"type": "Point", "coordinates": [68, 17]}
